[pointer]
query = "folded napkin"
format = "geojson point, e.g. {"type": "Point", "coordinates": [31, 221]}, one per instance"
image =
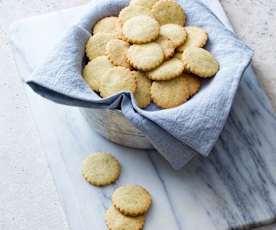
{"type": "Point", "coordinates": [178, 133]}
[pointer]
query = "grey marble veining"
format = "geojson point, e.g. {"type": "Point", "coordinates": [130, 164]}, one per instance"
{"type": "Point", "coordinates": [233, 188]}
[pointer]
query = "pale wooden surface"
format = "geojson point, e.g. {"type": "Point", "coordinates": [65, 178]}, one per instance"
{"type": "Point", "coordinates": [27, 193]}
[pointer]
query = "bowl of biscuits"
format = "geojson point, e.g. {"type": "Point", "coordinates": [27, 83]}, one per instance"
{"type": "Point", "coordinates": [148, 50]}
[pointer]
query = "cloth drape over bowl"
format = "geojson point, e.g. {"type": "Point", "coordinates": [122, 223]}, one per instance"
{"type": "Point", "coordinates": [178, 133]}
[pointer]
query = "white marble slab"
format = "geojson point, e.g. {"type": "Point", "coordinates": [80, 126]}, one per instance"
{"type": "Point", "coordinates": [234, 188]}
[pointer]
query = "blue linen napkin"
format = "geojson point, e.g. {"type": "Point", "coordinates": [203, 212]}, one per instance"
{"type": "Point", "coordinates": [179, 133]}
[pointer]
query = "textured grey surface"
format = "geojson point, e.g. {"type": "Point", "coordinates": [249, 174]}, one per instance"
{"type": "Point", "coordinates": [178, 133]}
{"type": "Point", "coordinates": [30, 202]}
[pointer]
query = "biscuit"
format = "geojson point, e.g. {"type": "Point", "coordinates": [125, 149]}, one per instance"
{"type": "Point", "coordinates": [94, 70]}
{"type": "Point", "coordinates": [132, 11]}
{"type": "Point", "coordinates": [168, 70]}
{"type": "Point", "coordinates": [142, 93]}
{"type": "Point", "coordinates": [101, 169]}
{"type": "Point", "coordinates": [168, 12]}
{"type": "Point", "coordinates": [146, 56]}
{"type": "Point", "coordinates": [200, 62]}
{"type": "Point", "coordinates": [131, 200]}
{"type": "Point", "coordinates": [108, 25]}
{"type": "Point", "coordinates": [196, 37]}
{"type": "Point", "coordinates": [169, 94]}
{"type": "Point", "coordinates": [145, 3]}
{"type": "Point", "coordinates": [141, 29]}
{"type": "Point", "coordinates": [96, 44]}
{"type": "Point", "coordinates": [178, 55]}
{"type": "Point", "coordinates": [117, 52]}
{"type": "Point", "coordinates": [117, 221]}
{"type": "Point", "coordinates": [167, 46]}
{"type": "Point", "coordinates": [115, 80]}
{"type": "Point", "coordinates": [175, 33]}
{"type": "Point", "coordinates": [193, 83]}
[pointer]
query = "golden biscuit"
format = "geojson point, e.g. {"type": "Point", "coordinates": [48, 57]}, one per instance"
{"type": "Point", "coordinates": [178, 55]}
{"type": "Point", "coordinates": [167, 46]}
{"type": "Point", "coordinates": [141, 29]}
{"type": "Point", "coordinates": [132, 11]}
{"type": "Point", "coordinates": [131, 200]}
{"type": "Point", "coordinates": [146, 56]}
{"type": "Point", "coordinates": [200, 62]}
{"type": "Point", "coordinates": [101, 169]}
{"type": "Point", "coordinates": [117, 221]}
{"type": "Point", "coordinates": [168, 70]}
{"type": "Point", "coordinates": [108, 25]}
{"type": "Point", "coordinates": [96, 44]}
{"type": "Point", "coordinates": [168, 12]}
{"type": "Point", "coordinates": [175, 33]}
{"type": "Point", "coordinates": [196, 37]}
{"type": "Point", "coordinates": [115, 80]}
{"type": "Point", "coordinates": [117, 52]}
{"type": "Point", "coordinates": [193, 83]}
{"type": "Point", "coordinates": [94, 70]}
{"type": "Point", "coordinates": [169, 94]}
{"type": "Point", "coordinates": [142, 93]}
{"type": "Point", "coordinates": [144, 3]}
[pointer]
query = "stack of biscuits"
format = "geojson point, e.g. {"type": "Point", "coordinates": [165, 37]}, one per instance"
{"type": "Point", "coordinates": [130, 203]}
{"type": "Point", "coordinates": [148, 51]}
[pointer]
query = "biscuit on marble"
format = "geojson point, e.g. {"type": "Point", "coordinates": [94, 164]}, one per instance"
{"type": "Point", "coordinates": [101, 169]}
{"type": "Point", "coordinates": [117, 221]}
{"type": "Point", "coordinates": [131, 200]}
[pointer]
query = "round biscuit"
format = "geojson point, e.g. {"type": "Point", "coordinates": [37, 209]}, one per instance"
{"type": "Point", "coordinates": [96, 44]}
{"type": "Point", "coordinates": [174, 32]}
{"type": "Point", "coordinates": [115, 80]}
{"type": "Point", "coordinates": [168, 12]}
{"type": "Point", "coordinates": [145, 3]}
{"type": "Point", "coordinates": [101, 169]}
{"type": "Point", "coordinates": [108, 25]}
{"type": "Point", "coordinates": [132, 11]}
{"type": "Point", "coordinates": [193, 83]}
{"type": "Point", "coordinates": [117, 52]}
{"type": "Point", "coordinates": [178, 55]}
{"type": "Point", "coordinates": [117, 221]}
{"type": "Point", "coordinates": [168, 70]}
{"type": "Point", "coordinates": [196, 37]}
{"type": "Point", "coordinates": [142, 93]}
{"type": "Point", "coordinates": [169, 94]}
{"type": "Point", "coordinates": [145, 56]}
{"type": "Point", "coordinates": [94, 70]}
{"type": "Point", "coordinates": [200, 62]}
{"type": "Point", "coordinates": [141, 29]}
{"type": "Point", "coordinates": [167, 46]}
{"type": "Point", "coordinates": [131, 200]}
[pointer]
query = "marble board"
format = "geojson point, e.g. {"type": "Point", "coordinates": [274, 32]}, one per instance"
{"type": "Point", "coordinates": [234, 188]}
